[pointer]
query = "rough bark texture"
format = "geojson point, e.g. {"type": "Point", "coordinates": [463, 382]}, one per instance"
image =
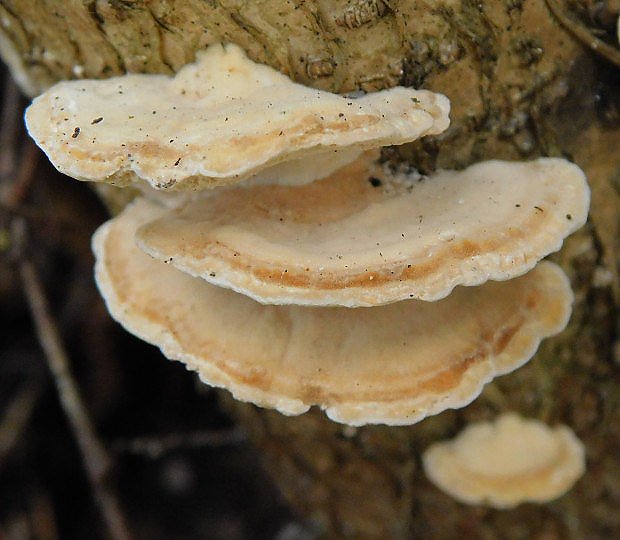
{"type": "Point", "coordinates": [520, 86]}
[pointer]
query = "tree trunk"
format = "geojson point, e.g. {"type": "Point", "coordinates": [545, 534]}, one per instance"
{"type": "Point", "coordinates": [521, 86]}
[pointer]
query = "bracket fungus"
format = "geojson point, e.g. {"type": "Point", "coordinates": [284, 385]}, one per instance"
{"type": "Point", "coordinates": [345, 240]}
{"type": "Point", "coordinates": [331, 229]}
{"type": "Point", "coordinates": [507, 462]}
{"type": "Point", "coordinates": [392, 364]}
{"type": "Point", "coordinates": [220, 120]}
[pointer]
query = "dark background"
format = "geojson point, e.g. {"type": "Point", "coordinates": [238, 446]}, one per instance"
{"type": "Point", "coordinates": [180, 468]}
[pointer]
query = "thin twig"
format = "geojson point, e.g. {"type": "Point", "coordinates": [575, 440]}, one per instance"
{"type": "Point", "coordinates": [16, 417]}
{"type": "Point", "coordinates": [155, 447]}
{"type": "Point", "coordinates": [16, 192]}
{"type": "Point", "coordinates": [41, 512]}
{"type": "Point", "coordinates": [8, 128]}
{"type": "Point", "coordinates": [96, 460]}
{"type": "Point", "coordinates": [38, 218]}
{"type": "Point", "coordinates": [584, 35]}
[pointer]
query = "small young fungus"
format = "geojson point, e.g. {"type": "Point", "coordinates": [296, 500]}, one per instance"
{"type": "Point", "coordinates": [507, 462]}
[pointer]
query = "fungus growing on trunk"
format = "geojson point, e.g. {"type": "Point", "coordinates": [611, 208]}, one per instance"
{"type": "Point", "coordinates": [220, 120]}
{"type": "Point", "coordinates": [358, 238]}
{"type": "Point", "coordinates": [507, 462]}
{"type": "Point", "coordinates": [361, 236]}
{"type": "Point", "coordinates": [393, 364]}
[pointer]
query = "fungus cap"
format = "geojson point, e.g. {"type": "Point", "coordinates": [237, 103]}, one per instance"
{"type": "Point", "coordinates": [362, 238]}
{"type": "Point", "coordinates": [506, 462]}
{"type": "Point", "coordinates": [218, 121]}
{"type": "Point", "coordinates": [393, 364]}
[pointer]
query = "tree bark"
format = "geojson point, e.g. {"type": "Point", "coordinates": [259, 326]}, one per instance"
{"type": "Point", "coordinates": [521, 86]}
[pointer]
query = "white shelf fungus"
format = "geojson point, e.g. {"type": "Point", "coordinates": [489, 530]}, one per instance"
{"type": "Point", "coordinates": [354, 239]}
{"type": "Point", "coordinates": [360, 235]}
{"type": "Point", "coordinates": [393, 364]}
{"type": "Point", "coordinates": [507, 462]}
{"type": "Point", "coordinates": [218, 121]}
